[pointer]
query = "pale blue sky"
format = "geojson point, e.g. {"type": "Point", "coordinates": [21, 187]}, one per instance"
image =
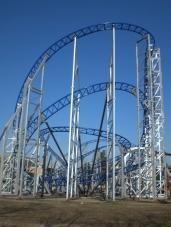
{"type": "Point", "coordinates": [28, 28]}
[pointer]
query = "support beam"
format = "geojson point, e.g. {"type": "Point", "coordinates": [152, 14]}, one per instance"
{"type": "Point", "coordinates": [98, 139]}
{"type": "Point", "coordinates": [44, 165]}
{"type": "Point", "coordinates": [60, 150]}
{"type": "Point", "coordinates": [97, 144]}
{"type": "Point", "coordinates": [110, 169]}
{"type": "Point", "coordinates": [73, 147]}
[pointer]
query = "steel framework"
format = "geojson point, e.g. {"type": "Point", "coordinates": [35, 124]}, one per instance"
{"type": "Point", "coordinates": [12, 169]}
{"type": "Point", "coordinates": [138, 170]}
{"type": "Point", "coordinates": [73, 147]}
{"type": "Point", "coordinates": [152, 174]}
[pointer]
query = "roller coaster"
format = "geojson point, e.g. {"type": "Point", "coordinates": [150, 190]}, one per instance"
{"type": "Point", "coordinates": [139, 170]}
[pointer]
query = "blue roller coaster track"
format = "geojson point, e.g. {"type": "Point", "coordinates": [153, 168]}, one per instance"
{"type": "Point", "coordinates": [66, 100]}
{"type": "Point", "coordinates": [79, 34]}
{"type": "Point", "coordinates": [89, 131]}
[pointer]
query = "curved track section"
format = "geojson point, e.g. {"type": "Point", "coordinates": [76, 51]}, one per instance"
{"type": "Point", "coordinates": [81, 33]}
{"type": "Point", "coordinates": [66, 100]}
{"type": "Point", "coordinates": [86, 153]}
{"type": "Point", "coordinates": [89, 131]}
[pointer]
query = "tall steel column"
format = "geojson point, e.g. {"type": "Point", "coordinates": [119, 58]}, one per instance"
{"type": "Point", "coordinates": [158, 119]}
{"type": "Point", "coordinates": [152, 162]}
{"type": "Point", "coordinates": [73, 147]}
{"type": "Point", "coordinates": [145, 119]}
{"type": "Point", "coordinates": [110, 168]}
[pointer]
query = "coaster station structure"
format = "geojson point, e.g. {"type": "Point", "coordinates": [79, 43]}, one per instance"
{"type": "Point", "coordinates": [139, 170]}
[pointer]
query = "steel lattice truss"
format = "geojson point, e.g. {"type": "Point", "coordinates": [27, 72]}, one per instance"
{"type": "Point", "coordinates": [79, 34]}
{"type": "Point", "coordinates": [66, 100]}
{"type": "Point", "coordinates": [89, 131]}
{"type": "Point", "coordinates": [138, 170]}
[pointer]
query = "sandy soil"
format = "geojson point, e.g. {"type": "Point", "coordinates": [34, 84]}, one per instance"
{"type": "Point", "coordinates": [55, 212]}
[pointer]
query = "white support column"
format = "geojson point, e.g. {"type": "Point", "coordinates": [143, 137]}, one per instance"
{"type": "Point", "coordinates": [24, 140]}
{"type": "Point", "coordinates": [138, 122]}
{"type": "Point", "coordinates": [38, 130]}
{"type": "Point", "coordinates": [113, 75]}
{"type": "Point", "coordinates": [21, 136]}
{"type": "Point", "coordinates": [152, 171]}
{"type": "Point", "coordinates": [159, 158]}
{"type": "Point", "coordinates": [110, 169]}
{"type": "Point", "coordinates": [150, 119]}
{"type": "Point", "coordinates": [72, 182]}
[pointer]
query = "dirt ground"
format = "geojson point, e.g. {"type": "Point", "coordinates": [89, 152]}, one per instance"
{"type": "Point", "coordinates": [83, 212]}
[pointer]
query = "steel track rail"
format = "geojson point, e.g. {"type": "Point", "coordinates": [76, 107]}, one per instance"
{"type": "Point", "coordinates": [53, 49]}
{"type": "Point", "coordinates": [89, 131]}
{"type": "Point", "coordinates": [66, 100]}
